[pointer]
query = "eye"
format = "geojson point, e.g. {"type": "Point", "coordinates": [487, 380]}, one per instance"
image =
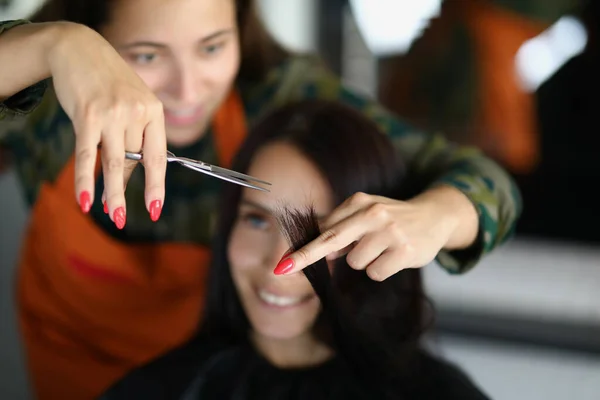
{"type": "Point", "coordinates": [212, 49]}
{"type": "Point", "coordinates": [143, 58]}
{"type": "Point", "coordinates": [255, 221]}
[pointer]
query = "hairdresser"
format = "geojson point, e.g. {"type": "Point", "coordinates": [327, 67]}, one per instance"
{"type": "Point", "coordinates": [108, 280]}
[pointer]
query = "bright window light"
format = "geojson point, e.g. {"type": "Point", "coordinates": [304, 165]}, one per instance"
{"type": "Point", "coordinates": [391, 26]}
{"type": "Point", "coordinates": [18, 9]}
{"type": "Point", "coordinates": [539, 58]}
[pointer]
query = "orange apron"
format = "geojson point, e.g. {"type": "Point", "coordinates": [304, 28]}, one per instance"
{"type": "Point", "coordinates": [506, 110]}
{"type": "Point", "coordinates": [83, 331]}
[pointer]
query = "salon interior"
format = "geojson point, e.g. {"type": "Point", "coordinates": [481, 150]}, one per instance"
{"type": "Point", "coordinates": [525, 323]}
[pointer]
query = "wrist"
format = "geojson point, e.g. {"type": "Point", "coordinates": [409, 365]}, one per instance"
{"type": "Point", "coordinates": [59, 36]}
{"type": "Point", "coordinates": [455, 214]}
{"type": "Point", "coordinates": [26, 46]}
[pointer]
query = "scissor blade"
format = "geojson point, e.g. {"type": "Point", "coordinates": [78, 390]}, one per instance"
{"type": "Point", "coordinates": [225, 177]}
{"type": "Point", "coordinates": [138, 156]}
{"type": "Point", "coordinates": [198, 164]}
{"type": "Point", "coordinates": [239, 175]}
{"type": "Point", "coordinates": [219, 170]}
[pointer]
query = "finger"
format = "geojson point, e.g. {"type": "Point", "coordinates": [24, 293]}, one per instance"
{"type": "Point", "coordinates": [128, 168]}
{"type": "Point", "coordinates": [349, 207]}
{"type": "Point", "coordinates": [133, 143]}
{"type": "Point", "coordinates": [113, 161]}
{"type": "Point", "coordinates": [334, 239]}
{"type": "Point", "coordinates": [155, 165]}
{"type": "Point", "coordinates": [340, 253]}
{"type": "Point", "coordinates": [355, 203]}
{"type": "Point", "coordinates": [86, 150]}
{"type": "Point", "coordinates": [367, 250]}
{"type": "Point", "coordinates": [104, 202]}
{"type": "Point", "coordinates": [391, 262]}
{"type": "Point", "coordinates": [134, 140]}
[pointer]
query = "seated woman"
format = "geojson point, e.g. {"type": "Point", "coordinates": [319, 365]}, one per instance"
{"type": "Point", "coordinates": [328, 331]}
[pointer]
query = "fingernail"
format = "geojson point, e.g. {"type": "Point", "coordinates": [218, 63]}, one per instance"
{"type": "Point", "coordinates": [155, 210]}
{"type": "Point", "coordinates": [105, 208]}
{"type": "Point", "coordinates": [284, 266]}
{"type": "Point", "coordinates": [286, 254]}
{"type": "Point", "coordinates": [85, 201]}
{"type": "Point", "coordinates": [119, 217]}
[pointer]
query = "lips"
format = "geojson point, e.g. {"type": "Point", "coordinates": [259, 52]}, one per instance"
{"type": "Point", "coordinates": [183, 116]}
{"type": "Point", "coordinates": [282, 301]}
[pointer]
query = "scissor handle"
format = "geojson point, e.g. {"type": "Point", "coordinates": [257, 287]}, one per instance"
{"type": "Point", "coordinates": [133, 156]}
{"type": "Point", "coordinates": [217, 172]}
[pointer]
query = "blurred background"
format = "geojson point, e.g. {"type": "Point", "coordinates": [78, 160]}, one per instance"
{"type": "Point", "coordinates": [521, 80]}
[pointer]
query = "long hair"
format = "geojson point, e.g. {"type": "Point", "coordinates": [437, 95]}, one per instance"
{"type": "Point", "coordinates": [259, 50]}
{"type": "Point", "coordinates": [374, 326]}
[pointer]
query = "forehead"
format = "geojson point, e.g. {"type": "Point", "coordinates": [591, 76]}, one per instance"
{"type": "Point", "coordinates": [295, 180]}
{"type": "Point", "coordinates": [178, 18]}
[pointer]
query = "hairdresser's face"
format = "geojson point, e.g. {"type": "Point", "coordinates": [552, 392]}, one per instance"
{"type": "Point", "coordinates": [279, 307]}
{"type": "Point", "coordinates": [186, 51]}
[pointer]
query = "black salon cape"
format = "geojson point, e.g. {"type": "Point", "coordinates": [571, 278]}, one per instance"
{"type": "Point", "coordinates": [204, 369]}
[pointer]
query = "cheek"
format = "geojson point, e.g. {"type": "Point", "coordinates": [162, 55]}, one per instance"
{"type": "Point", "coordinates": [220, 73]}
{"type": "Point", "coordinates": [154, 77]}
{"type": "Point", "coordinates": [245, 250]}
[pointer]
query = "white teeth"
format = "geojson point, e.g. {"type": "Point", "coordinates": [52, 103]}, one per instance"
{"type": "Point", "coordinates": [278, 300]}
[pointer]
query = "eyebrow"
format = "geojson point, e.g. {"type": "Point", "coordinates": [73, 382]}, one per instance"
{"type": "Point", "coordinates": [256, 205]}
{"type": "Point", "coordinates": [267, 210]}
{"type": "Point", "coordinates": [205, 39]}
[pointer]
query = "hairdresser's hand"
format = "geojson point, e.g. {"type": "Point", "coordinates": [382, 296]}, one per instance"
{"type": "Point", "coordinates": [109, 106]}
{"type": "Point", "coordinates": [385, 236]}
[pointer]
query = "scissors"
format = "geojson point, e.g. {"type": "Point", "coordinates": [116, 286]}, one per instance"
{"type": "Point", "coordinates": [208, 169]}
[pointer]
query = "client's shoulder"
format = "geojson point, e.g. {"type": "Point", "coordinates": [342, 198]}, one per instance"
{"type": "Point", "coordinates": [169, 375]}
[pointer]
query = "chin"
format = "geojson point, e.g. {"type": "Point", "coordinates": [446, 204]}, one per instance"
{"type": "Point", "coordinates": [185, 136]}
{"type": "Point", "coordinates": [280, 332]}
{"type": "Point", "coordinates": [279, 326]}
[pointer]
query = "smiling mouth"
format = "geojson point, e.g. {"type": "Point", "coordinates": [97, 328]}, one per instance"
{"type": "Point", "coordinates": [183, 116]}
{"type": "Point", "coordinates": [282, 301]}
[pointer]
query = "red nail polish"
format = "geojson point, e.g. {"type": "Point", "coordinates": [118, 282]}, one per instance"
{"type": "Point", "coordinates": [119, 217]}
{"type": "Point", "coordinates": [155, 210]}
{"type": "Point", "coordinates": [286, 254]}
{"type": "Point", "coordinates": [284, 266]}
{"type": "Point", "coordinates": [85, 201]}
{"type": "Point", "coordinates": [105, 208]}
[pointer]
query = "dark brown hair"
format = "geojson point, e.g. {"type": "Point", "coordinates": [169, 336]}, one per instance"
{"type": "Point", "coordinates": [259, 50]}
{"type": "Point", "coordinates": [353, 155]}
{"type": "Point", "coordinates": [373, 327]}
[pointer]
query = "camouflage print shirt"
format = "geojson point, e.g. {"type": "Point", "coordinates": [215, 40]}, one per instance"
{"type": "Point", "coordinates": [43, 140]}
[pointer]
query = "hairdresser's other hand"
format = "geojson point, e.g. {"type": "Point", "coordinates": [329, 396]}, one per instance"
{"type": "Point", "coordinates": [109, 105]}
{"type": "Point", "coordinates": [385, 236]}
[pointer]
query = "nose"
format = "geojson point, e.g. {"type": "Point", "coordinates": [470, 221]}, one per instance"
{"type": "Point", "coordinates": [183, 84]}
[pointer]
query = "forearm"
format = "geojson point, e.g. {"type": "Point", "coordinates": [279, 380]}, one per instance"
{"type": "Point", "coordinates": [24, 51]}
{"type": "Point", "coordinates": [490, 190]}
{"type": "Point", "coordinates": [475, 186]}
{"type": "Point", "coordinates": [455, 211]}
{"type": "Point", "coordinates": [496, 198]}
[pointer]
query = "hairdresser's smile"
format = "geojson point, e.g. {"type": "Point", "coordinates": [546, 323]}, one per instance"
{"type": "Point", "coordinates": [183, 116]}
{"type": "Point", "coordinates": [190, 69]}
